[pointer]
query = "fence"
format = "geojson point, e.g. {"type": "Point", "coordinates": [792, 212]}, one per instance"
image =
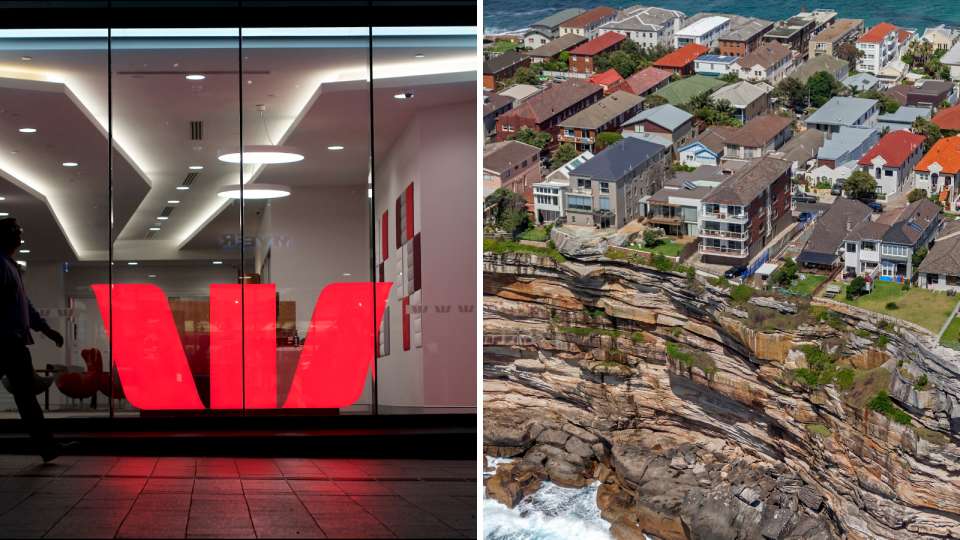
{"type": "Point", "coordinates": [564, 74]}
{"type": "Point", "coordinates": [755, 265]}
{"type": "Point", "coordinates": [828, 280]}
{"type": "Point", "coordinates": [689, 250]}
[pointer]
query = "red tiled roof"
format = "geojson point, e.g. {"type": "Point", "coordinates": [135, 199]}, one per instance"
{"type": "Point", "coordinates": [590, 17]}
{"type": "Point", "coordinates": [642, 80]}
{"type": "Point", "coordinates": [902, 35]}
{"type": "Point", "coordinates": [607, 78]}
{"type": "Point", "coordinates": [600, 44]}
{"type": "Point", "coordinates": [895, 147]}
{"type": "Point", "coordinates": [556, 98]}
{"type": "Point", "coordinates": [682, 56]}
{"type": "Point", "coordinates": [877, 33]}
{"type": "Point", "coordinates": [946, 153]}
{"type": "Point", "coordinates": [948, 118]}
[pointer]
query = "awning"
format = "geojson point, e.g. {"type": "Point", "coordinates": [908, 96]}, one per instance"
{"type": "Point", "coordinates": [817, 258]}
{"type": "Point", "coordinates": [766, 269]}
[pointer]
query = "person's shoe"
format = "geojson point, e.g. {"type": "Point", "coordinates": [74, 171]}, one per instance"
{"type": "Point", "coordinates": [57, 450]}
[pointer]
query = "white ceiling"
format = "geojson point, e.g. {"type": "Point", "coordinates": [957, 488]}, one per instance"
{"type": "Point", "coordinates": [313, 100]}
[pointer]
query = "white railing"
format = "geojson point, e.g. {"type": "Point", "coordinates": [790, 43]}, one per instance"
{"type": "Point", "coordinates": [739, 218]}
{"type": "Point", "coordinates": [581, 191]}
{"type": "Point", "coordinates": [728, 251]}
{"type": "Point", "coordinates": [571, 138]}
{"type": "Point", "coordinates": [724, 234]}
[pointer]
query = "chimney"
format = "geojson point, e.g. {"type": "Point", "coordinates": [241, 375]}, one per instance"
{"type": "Point", "coordinates": [848, 224]}
{"type": "Point", "coordinates": [803, 9]}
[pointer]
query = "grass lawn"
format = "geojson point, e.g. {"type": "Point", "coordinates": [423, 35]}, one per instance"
{"type": "Point", "coordinates": [808, 285]}
{"type": "Point", "coordinates": [537, 235]}
{"type": "Point", "coordinates": [504, 46]}
{"type": "Point", "coordinates": [951, 336]}
{"type": "Point", "coordinates": [669, 250]}
{"type": "Point", "coordinates": [918, 306]}
{"type": "Point", "coordinates": [504, 246]}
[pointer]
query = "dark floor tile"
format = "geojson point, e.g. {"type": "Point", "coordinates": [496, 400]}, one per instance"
{"type": "Point", "coordinates": [162, 502]}
{"type": "Point", "coordinates": [307, 531]}
{"type": "Point", "coordinates": [106, 503]}
{"type": "Point", "coordinates": [16, 532]}
{"type": "Point", "coordinates": [25, 483]}
{"type": "Point", "coordinates": [169, 485]}
{"type": "Point", "coordinates": [225, 533]}
{"type": "Point", "coordinates": [75, 532]}
{"type": "Point", "coordinates": [154, 524]}
{"type": "Point", "coordinates": [468, 533]}
{"type": "Point", "coordinates": [459, 520]}
{"type": "Point", "coordinates": [424, 532]}
{"type": "Point", "coordinates": [353, 527]}
{"type": "Point", "coordinates": [273, 486]}
{"type": "Point", "coordinates": [217, 524]}
{"type": "Point", "coordinates": [281, 519]}
{"type": "Point", "coordinates": [363, 488]}
{"type": "Point", "coordinates": [314, 486]}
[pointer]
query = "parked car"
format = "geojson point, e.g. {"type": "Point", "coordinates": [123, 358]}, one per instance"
{"type": "Point", "coordinates": [734, 271]}
{"type": "Point", "coordinates": [799, 110]}
{"type": "Point", "coordinates": [546, 162]}
{"type": "Point", "coordinates": [804, 198]}
{"type": "Point", "coordinates": [874, 205]}
{"type": "Point", "coordinates": [558, 79]}
{"type": "Point", "coordinates": [837, 189]}
{"type": "Point", "coordinates": [803, 216]}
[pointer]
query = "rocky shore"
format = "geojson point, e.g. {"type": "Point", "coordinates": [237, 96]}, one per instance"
{"type": "Point", "coordinates": [691, 416]}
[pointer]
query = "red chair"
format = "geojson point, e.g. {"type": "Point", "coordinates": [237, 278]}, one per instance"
{"type": "Point", "coordinates": [83, 385]}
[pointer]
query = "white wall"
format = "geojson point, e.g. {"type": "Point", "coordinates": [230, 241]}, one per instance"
{"type": "Point", "coordinates": [437, 152]}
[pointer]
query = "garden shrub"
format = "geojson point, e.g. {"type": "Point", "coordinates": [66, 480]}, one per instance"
{"type": "Point", "coordinates": [719, 281]}
{"type": "Point", "coordinates": [863, 333]}
{"type": "Point", "coordinates": [855, 285]}
{"type": "Point", "coordinates": [741, 293]}
{"type": "Point", "coordinates": [673, 349]}
{"type": "Point", "coordinates": [884, 405]}
{"type": "Point", "coordinates": [891, 305]}
{"type": "Point", "coordinates": [551, 244]}
{"type": "Point", "coordinates": [882, 342]}
{"type": "Point", "coordinates": [661, 263]}
{"type": "Point", "coordinates": [921, 383]}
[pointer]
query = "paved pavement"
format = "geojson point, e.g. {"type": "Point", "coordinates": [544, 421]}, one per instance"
{"type": "Point", "coordinates": [199, 497]}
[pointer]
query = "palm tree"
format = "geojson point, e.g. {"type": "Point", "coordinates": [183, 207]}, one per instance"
{"type": "Point", "coordinates": [913, 49]}
{"type": "Point", "coordinates": [702, 100]}
{"type": "Point", "coordinates": [884, 130]}
{"type": "Point", "coordinates": [724, 107]}
{"type": "Point", "coordinates": [927, 50]}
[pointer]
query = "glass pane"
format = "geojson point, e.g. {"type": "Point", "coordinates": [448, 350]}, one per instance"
{"type": "Point", "coordinates": [54, 180]}
{"type": "Point", "coordinates": [176, 108]}
{"type": "Point", "coordinates": [424, 201]}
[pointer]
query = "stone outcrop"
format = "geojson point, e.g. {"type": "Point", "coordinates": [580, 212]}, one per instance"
{"type": "Point", "coordinates": [729, 445]}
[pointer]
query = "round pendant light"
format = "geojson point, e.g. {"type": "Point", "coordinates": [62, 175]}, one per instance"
{"type": "Point", "coordinates": [254, 191]}
{"type": "Point", "coordinates": [261, 153]}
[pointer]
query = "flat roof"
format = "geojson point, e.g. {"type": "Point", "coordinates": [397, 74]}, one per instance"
{"type": "Point", "coordinates": [703, 26]}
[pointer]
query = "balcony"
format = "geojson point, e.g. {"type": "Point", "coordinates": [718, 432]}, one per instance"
{"type": "Point", "coordinates": [602, 212]}
{"type": "Point", "coordinates": [572, 139]}
{"type": "Point", "coordinates": [725, 251]}
{"type": "Point", "coordinates": [666, 219]}
{"type": "Point", "coordinates": [732, 218]}
{"type": "Point", "coordinates": [717, 233]}
{"type": "Point", "coordinates": [581, 191]}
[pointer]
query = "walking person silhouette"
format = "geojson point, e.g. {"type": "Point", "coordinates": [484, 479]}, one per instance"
{"type": "Point", "coordinates": [17, 318]}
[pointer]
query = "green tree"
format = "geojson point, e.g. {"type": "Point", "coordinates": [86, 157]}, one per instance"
{"type": "Point", "coordinates": [563, 155]}
{"type": "Point", "coordinates": [884, 131]}
{"type": "Point", "coordinates": [907, 59]}
{"type": "Point", "coordinates": [540, 139]}
{"type": "Point", "coordinates": [916, 194]}
{"type": "Point", "coordinates": [860, 185]}
{"type": "Point", "coordinates": [525, 76]}
{"type": "Point", "coordinates": [622, 62]}
{"type": "Point", "coordinates": [652, 238]}
{"type": "Point", "coordinates": [887, 105]}
{"type": "Point", "coordinates": [918, 256]}
{"type": "Point", "coordinates": [791, 91]}
{"type": "Point", "coordinates": [945, 73]}
{"type": "Point", "coordinates": [821, 86]}
{"type": "Point", "coordinates": [848, 53]}
{"type": "Point", "coordinates": [856, 284]}
{"type": "Point", "coordinates": [564, 57]}
{"type": "Point", "coordinates": [944, 105]}
{"type": "Point", "coordinates": [504, 84]}
{"type": "Point", "coordinates": [928, 129]}
{"type": "Point", "coordinates": [701, 101]}
{"type": "Point", "coordinates": [654, 100]}
{"type": "Point", "coordinates": [508, 209]}
{"type": "Point", "coordinates": [933, 67]}
{"type": "Point", "coordinates": [606, 139]}
{"type": "Point", "coordinates": [731, 78]}
{"type": "Point", "coordinates": [715, 51]}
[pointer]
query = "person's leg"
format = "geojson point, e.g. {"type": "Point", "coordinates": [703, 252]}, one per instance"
{"type": "Point", "coordinates": [19, 369]}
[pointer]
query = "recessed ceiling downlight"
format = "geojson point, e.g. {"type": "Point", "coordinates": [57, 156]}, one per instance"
{"type": "Point", "coordinates": [255, 191]}
{"type": "Point", "coordinates": [196, 168]}
{"type": "Point", "coordinates": [195, 77]}
{"type": "Point", "coordinates": [334, 148]}
{"type": "Point", "coordinates": [28, 130]}
{"type": "Point", "coordinates": [24, 251]}
{"type": "Point", "coordinates": [182, 188]}
{"type": "Point", "coordinates": [70, 164]}
{"type": "Point", "coordinates": [419, 56]}
{"type": "Point", "coordinates": [261, 153]}
{"type": "Point", "coordinates": [154, 228]}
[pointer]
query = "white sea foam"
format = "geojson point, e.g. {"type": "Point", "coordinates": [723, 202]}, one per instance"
{"type": "Point", "coordinates": [552, 513]}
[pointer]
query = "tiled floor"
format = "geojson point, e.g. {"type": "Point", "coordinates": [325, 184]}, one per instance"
{"type": "Point", "coordinates": [185, 497]}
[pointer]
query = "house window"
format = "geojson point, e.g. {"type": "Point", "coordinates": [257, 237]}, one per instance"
{"type": "Point", "coordinates": [868, 246]}
{"type": "Point", "coordinates": [488, 177]}
{"type": "Point", "coordinates": [888, 173]}
{"type": "Point", "coordinates": [851, 248]}
{"type": "Point", "coordinates": [524, 163]}
{"type": "Point", "coordinates": [506, 174]}
{"type": "Point", "coordinates": [605, 203]}
{"type": "Point", "coordinates": [896, 251]}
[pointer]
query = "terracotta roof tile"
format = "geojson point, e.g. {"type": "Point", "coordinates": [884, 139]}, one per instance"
{"type": "Point", "coordinates": [590, 17]}
{"type": "Point", "coordinates": [766, 55]}
{"type": "Point", "coordinates": [948, 118]}
{"type": "Point", "coordinates": [607, 78]}
{"type": "Point", "coordinates": [643, 80]}
{"type": "Point", "coordinates": [902, 35]}
{"type": "Point", "coordinates": [946, 153]}
{"type": "Point", "coordinates": [877, 33]}
{"type": "Point", "coordinates": [895, 147]}
{"type": "Point", "coordinates": [599, 44]}
{"type": "Point", "coordinates": [682, 56]}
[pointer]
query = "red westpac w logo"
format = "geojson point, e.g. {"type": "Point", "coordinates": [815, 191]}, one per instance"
{"type": "Point", "coordinates": [333, 364]}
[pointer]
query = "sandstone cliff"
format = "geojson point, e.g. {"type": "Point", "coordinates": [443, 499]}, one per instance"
{"type": "Point", "coordinates": [584, 379]}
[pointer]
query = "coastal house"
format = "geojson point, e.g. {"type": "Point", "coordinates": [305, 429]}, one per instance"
{"type": "Point", "coordinates": [546, 30]}
{"type": "Point", "coordinates": [744, 39]}
{"type": "Point", "coordinates": [801, 150]}
{"type": "Point", "coordinates": [648, 26]}
{"type": "Point", "coordinates": [771, 61]}
{"type": "Point", "coordinates": [823, 62]}
{"type": "Point", "coordinates": [952, 59]}
{"type": "Point", "coordinates": [667, 121]}
{"type": "Point", "coordinates": [880, 45]}
{"type": "Point", "coordinates": [674, 209]}
{"type": "Point", "coordinates": [679, 93]}
{"type": "Point", "coordinates": [503, 67]}
{"type": "Point", "coordinates": [681, 60]}
{"type": "Point", "coordinates": [604, 116]}
{"type": "Point", "coordinates": [823, 248]}
{"type": "Point", "coordinates": [898, 92]}
{"type": "Point", "coordinates": [928, 93]}
{"type": "Point", "coordinates": [708, 147]}
{"type": "Point", "coordinates": [948, 119]}
{"type": "Point", "coordinates": [862, 82]}
{"type": "Point", "coordinates": [706, 31]}
{"type": "Point", "coordinates": [714, 66]}
{"type": "Point", "coordinates": [839, 33]}
{"type": "Point", "coordinates": [493, 106]}
{"type": "Point", "coordinates": [548, 195]}
{"type": "Point", "coordinates": [545, 111]}
{"type": "Point", "coordinates": [844, 111]}
{"type": "Point", "coordinates": [891, 162]}
{"type": "Point", "coordinates": [644, 82]}
{"type": "Point", "coordinates": [606, 190]}
{"type": "Point", "coordinates": [588, 24]}
{"type": "Point", "coordinates": [902, 118]}
{"type": "Point", "coordinates": [847, 144]}
{"type": "Point", "coordinates": [891, 240]}
{"type": "Point", "coordinates": [940, 269]}
{"type": "Point", "coordinates": [942, 37]}
{"type": "Point", "coordinates": [738, 217]}
{"type": "Point", "coordinates": [550, 51]}
{"type": "Point", "coordinates": [937, 171]}
{"type": "Point", "coordinates": [510, 164]}
{"type": "Point", "coordinates": [759, 136]}
{"type": "Point", "coordinates": [581, 57]}
{"type": "Point", "coordinates": [607, 79]}
{"type": "Point", "coordinates": [895, 72]}
{"type": "Point", "coordinates": [749, 100]}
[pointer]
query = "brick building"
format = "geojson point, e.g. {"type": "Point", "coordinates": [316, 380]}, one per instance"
{"type": "Point", "coordinates": [681, 60]}
{"type": "Point", "coordinates": [503, 67]}
{"type": "Point", "coordinates": [745, 39]}
{"type": "Point", "coordinates": [581, 58]}
{"type": "Point", "coordinates": [546, 110]}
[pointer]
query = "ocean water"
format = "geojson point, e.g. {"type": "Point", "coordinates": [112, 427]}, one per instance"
{"type": "Point", "coordinates": [552, 513]}
{"type": "Point", "coordinates": [510, 16]}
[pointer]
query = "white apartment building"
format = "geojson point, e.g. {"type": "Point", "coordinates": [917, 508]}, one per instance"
{"type": "Point", "coordinates": [648, 26]}
{"type": "Point", "coordinates": [706, 32]}
{"type": "Point", "coordinates": [880, 45]}
{"type": "Point", "coordinates": [548, 195]}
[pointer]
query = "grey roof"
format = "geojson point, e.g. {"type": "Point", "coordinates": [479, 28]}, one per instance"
{"type": "Point", "coordinates": [944, 256]}
{"type": "Point", "coordinates": [603, 111]}
{"type": "Point", "coordinates": [666, 116]}
{"type": "Point", "coordinates": [921, 213]}
{"type": "Point", "coordinates": [744, 185]}
{"type": "Point", "coordinates": [841, 111]}
{"type": "Point", "coordinates": [697, 193]}
{"type": "Point", "coordinates": [892, 126]}
{"type": "Point", "coordinates": [863, 81]}
{"type": "Point", "coordinates": [565, 169]}
{"type": "Point", "coordinates": [741, 93]}
{"type": "Point", "coordinates": [933, 88]}
{"type": "Point", "coordinates": [803, 146]}
{"type": "Point", "coordinates": [867, 230]}
{"type": "Point", "coordinates": [743, 32]}
{"type": "Point", "coordinates": [557, 46]}
{"type": "Point", "coordinates": [646, 136]}
{"type": "Point", "coordinates": [943, 30]}
{"type": "Point", "coordinates": [817, 258]}
{"type": "Point", "coordinates": [641, 18]}
{"type": "Point", "coordinates": [717, 58]}
{"type": "Point", "coordinates": [830, 230]}
{"type": "Point", "coordinates": [905, 115]}
{"type": "Point", "coordinates": [823, 62]}
{"type": "Point", "coordinates": [617, 160]}
{"type": "Point", "coordinates": [849, 143]}
{"type": "Point", "coordinates": [520, 91]}
{"type": "Point", "coordinates": [953, 56]}
{"type": "Point", "coordinates": [703, 172]}
{"type": "Point", "coordinates": [502, 62]}
{"type": "Point", "coordinates": [559, 18]}
{"type": "Point", "coordinates": [495, 102]}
